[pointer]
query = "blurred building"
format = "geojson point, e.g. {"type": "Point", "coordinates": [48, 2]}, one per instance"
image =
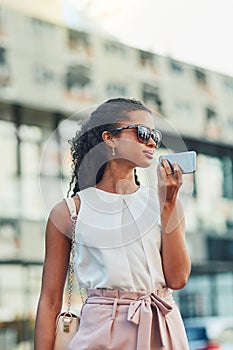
{"type": "Point", "coordinates": [49, 74]}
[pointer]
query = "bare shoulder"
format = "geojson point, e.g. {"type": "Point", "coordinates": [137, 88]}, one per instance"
{"type": "Point", "coordinates": [59, 216]}
{"type": "Point", "coordinates": [61, 209]}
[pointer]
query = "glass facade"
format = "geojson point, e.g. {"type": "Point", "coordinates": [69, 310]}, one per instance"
{"type": "Point", "coordinates": [35, 159]}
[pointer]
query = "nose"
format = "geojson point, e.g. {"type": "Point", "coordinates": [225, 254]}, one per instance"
{"type": "Point", "coordinates": [151, 143]}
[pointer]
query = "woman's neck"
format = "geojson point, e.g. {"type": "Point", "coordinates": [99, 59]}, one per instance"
{"type": "Point", "coordinates": [117, 179]}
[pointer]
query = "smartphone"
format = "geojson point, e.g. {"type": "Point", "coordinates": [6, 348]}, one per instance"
{"type": "Point", "coordinates": [185, 160]}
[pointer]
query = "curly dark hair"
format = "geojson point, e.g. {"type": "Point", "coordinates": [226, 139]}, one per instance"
{"type": "Point", "coordinates": [88, 150]}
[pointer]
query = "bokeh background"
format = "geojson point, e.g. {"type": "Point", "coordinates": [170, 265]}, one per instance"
{"type": "Point", "coordinates": [58, 60]}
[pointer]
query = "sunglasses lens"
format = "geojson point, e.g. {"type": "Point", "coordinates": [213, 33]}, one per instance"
{"type": "Point", "coordinates": [143, 134]}
{"type": "Point", "coordinates": [157, 137]}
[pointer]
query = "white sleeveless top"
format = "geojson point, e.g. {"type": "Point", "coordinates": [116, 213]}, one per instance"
{"type": "Point", "coordinates": [118, 239]}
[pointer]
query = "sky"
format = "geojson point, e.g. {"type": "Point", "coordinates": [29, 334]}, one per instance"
{"type": "Point", "coordinates": [198, 32]}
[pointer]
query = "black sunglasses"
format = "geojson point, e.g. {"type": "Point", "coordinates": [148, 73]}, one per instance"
{"type": "Point", "coordinates": [144, 133]}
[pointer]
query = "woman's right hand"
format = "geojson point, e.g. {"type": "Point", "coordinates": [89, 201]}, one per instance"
{"type": "Point", "coordinates": [169, 182]}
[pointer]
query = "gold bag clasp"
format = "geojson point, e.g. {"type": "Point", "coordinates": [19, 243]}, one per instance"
{"type": "Point", "coordinates": [67, 323]}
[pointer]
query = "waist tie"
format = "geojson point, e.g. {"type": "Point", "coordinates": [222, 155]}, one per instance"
{"type": "Point", "coordinates": [141, 311]}
{"type": "Point", "coordinates": [142, 307]}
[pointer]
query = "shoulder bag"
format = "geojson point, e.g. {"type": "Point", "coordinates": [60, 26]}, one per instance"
{"type": "Point", "coordinates": [67, 323]}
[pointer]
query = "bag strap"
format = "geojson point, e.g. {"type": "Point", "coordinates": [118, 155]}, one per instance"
{"type": "Point", "coordinates": [73, 215]}
{"type": "Point", "coordinates": [71, 206]}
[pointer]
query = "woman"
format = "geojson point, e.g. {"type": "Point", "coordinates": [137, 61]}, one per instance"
{"type": "Point", "coordinates": [131, 249]}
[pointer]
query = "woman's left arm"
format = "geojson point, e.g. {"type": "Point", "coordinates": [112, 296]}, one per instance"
{"type": "Point", "coordinates": [175, 258]}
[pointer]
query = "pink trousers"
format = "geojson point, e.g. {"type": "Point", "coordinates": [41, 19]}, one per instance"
{"type": "Point", "coordinates": [119, 320]}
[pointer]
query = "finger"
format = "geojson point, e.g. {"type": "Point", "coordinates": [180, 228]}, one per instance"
{"type": "Point", "coordinates": [177, 173]}
{"type": "Point", "coordinates": [167, 166]}
{"type": "Point", "coordinates": [161, 172]}
{"type": "Point", "coordinates": [162, 179]}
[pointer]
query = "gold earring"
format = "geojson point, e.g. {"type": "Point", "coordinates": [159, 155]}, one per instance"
{"type": "Point", "coordinates": [113, 152]}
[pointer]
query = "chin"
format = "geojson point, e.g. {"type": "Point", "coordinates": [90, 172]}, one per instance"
{"type": "Point", "coordinates": [144, 164]}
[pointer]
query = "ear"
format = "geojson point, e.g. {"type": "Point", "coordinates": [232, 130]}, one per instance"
{"type": "Point", "coordinates": [109, 139]}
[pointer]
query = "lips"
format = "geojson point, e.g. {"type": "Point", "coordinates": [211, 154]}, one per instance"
{"type": "Point", "coordinates": [149, 154]}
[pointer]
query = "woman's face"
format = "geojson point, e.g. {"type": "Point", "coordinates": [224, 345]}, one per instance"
{"type": "Point", "coordinates": [128, 148]}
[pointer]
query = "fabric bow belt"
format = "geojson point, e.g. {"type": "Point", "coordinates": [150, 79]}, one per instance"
{"type": "Point", "coordinates": [141, 310]}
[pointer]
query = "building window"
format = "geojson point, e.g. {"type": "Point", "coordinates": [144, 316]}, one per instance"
{"type": "Point", "coordinates": [43, 75]}
{"type": "Point", "coordinates": [220, 249]}
{"type": "Point", "coordinates": [224, 286]}
{"type": "Point", "coordinates": [8, 143]}
{"type": "Point", "coordinates": [2, 56]}
{"type": "Point", "coordinates": [114, 89]}
{"type": "Point", "coordinates": [200, 76]}
{"type": "Point", "coordinates": [150, 96]}
{"type": "Point", "coordinates": [176, 67]}
{"type": "Point", "coordinates": [20, 284]}
{"type": "Point", "coordinates": [230, 122]}
{"type": "Point", "coordinates": [42, 29]}
{"type": "Point", "coordinates": [4, 67]}
{"type": "Point", "coordinates": [79, 41]}
{"type": "Point", "coordinates": [213, 126]}
{"type": "Point", "coordinates": [114, 48]}
{"type": "Point", "coordinates": [210, 114]}
{"type": "Point", "coordinates": [10, 238]}
{"type": "Point", "coordinates": [77, 76]}
{"type": "Point", "coordinates": [66, 128]}
{"type": "Point", "coordinates": [193, 301]}
{"type": "Point", "coordinates": [146, 58]}
{"type": "Point", "coordinates": [227, 167]}
{"type": "Point", "coordinates": [30, 139]}
{"type": "Point", "coordinates": [228, 84]}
